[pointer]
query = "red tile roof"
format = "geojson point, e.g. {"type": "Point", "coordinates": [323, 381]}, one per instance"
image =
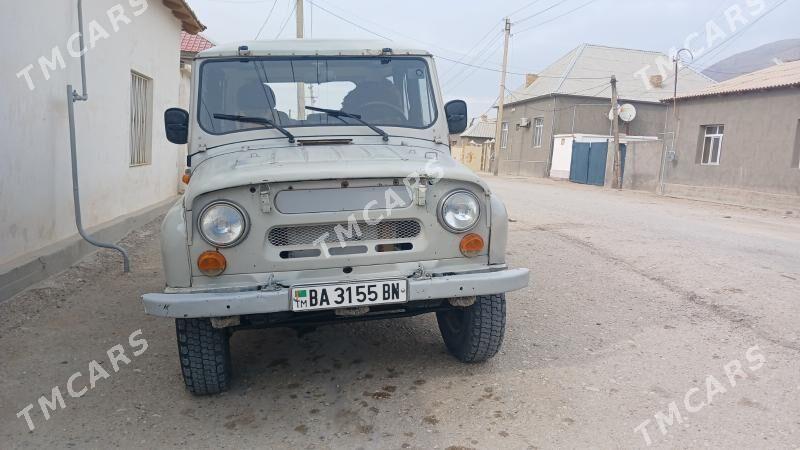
{"type": "Point", "coordinates": [194, 43]}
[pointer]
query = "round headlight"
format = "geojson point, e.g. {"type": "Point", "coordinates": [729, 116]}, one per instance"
{"type": "Point", "coordinates": [460, 211]}
{"type": "Point", "coordinates": [222, 224]}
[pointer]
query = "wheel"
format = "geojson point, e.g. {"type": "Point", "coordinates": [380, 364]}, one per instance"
{"type": "Point", "coordinates": [205, 356]}
{"type": "Point", "coordinates": [475, 333]}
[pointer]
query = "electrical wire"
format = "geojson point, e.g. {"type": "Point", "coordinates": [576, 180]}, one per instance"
{"type": "Point", "coordinates": [475, 56]}
{"type": "Point", "coordinates": [528, 5]}
{"type": "Point", "coordinates": [733, 37]}
{"type": "Point", "coordinates": [556, 17]}
{"type": "Point", "coordinates": [488, 33]}
{"type": "Point", "coordinates": [517, 73]}
{"type": "Point", "coordinates": [349, 21]}
{"type": "Point", "coordinates": [485, 53]}
{"type": "Point", "coordinates": [405, 36]}
{"type": "Point", "coordinates": [540, 12]}
{"type": "Point", "coordinates": [269, 14]}
{"type": "Point", "coordinates": [285, 22]}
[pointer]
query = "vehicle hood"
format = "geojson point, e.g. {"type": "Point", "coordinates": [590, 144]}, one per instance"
{"type": "Point", "coordinates": [241, 167]}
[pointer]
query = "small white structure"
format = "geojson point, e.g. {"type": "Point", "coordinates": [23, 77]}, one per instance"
{"type": "Point", "coordinates": [132, 50]}
{"type": "Point", "coordinates": [562, 149]}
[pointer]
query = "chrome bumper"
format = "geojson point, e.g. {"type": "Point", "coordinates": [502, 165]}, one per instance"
{"type": "Point", "coordinates": [269, 301]}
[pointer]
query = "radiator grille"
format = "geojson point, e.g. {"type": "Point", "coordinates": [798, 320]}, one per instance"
{"type": "Point", "coordinates": [332, 232]}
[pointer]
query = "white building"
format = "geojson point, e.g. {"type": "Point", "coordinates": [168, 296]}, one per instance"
{"type": "Point", "coordinates": [127, 168]}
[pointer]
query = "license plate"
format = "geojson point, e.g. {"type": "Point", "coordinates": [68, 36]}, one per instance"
{"type": "Point", "coordinates": [344, 295]}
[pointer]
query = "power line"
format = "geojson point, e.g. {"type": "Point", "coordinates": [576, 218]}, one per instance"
{"type": "Point", "coordinates": [557, 17]}
{"type": "Point", "coordinates": [452, 84]}
{"type": "Point", "coordinates": [537, 13]}
{"type": "Point", "coordinates": [485, 53]}
{"type": "Point", "coordinates": [518, 73]}
{"type": "Point", "coordinates": [474, 46]}
{"type": "Point", "coordinates": [349, 21]}
{"type": "Point", "coordinates": [269, 14]}
{"type": "Point", "coordinates": [461, 55]}
{"type": "Point", "coordinates": [286, 21]}
{"type": "Point", "coordinates": [482, 39]}
{"type": "Point", "coordinates": [601, 86]}
{"type": "Point", "coordinates": [523, 7]}
{"type": "Point", "coordinates": [734, 36]}
{"type": "Point", "coordinates": [475, 65]}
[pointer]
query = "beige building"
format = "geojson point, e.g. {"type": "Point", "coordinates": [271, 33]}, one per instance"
{"type": "Point", "coordinates": [473, 147]}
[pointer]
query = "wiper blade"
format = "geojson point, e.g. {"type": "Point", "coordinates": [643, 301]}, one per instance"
{"type": "Point", "coordinates": [259, 120]}
{"type": "Point", "coordinates": [339, 113]}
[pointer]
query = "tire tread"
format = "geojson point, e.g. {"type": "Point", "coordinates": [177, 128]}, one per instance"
{"type": "Point", "coordinates": [482, 333]}
{"type": "Point", "coordinates": [204, 353]}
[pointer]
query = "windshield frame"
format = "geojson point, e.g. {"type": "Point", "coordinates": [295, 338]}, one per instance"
{"type": "Point", "coordinates": [198, 90]}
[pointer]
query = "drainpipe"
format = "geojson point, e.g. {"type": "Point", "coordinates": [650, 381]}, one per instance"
{"type": "Point", "coordinates": [72, 97]}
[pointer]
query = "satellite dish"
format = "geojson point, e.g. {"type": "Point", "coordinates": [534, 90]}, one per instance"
{"type": "Point", "coordinates": [626, 112]}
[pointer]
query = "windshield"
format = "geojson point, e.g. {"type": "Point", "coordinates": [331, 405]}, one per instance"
{"type": "Point", "coordinates": [383, 91]}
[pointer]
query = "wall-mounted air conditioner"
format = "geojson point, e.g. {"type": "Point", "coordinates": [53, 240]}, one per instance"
{"type": "Point", "coordinates": [524, 122]}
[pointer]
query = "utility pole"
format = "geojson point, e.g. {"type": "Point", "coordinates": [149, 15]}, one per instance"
{"type": "Point", "coordinates": [675, 127]}
{"type": "Point", "coordinates": [675, 89]}
{"type": "Point", "coordinates": [617, 182]}
{"type": "Point", "coordinates": [301, 87]}
{"type": "Point", "coordinates": [498, 138]}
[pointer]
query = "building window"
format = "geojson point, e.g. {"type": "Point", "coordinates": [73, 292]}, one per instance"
{"type": "Point", "coordinates": [538, 130]}
{"type": "Point", "coordinates": [712, 144]}
{"type": "Point", "coordinates": [504, 135]}
{"type": "Point", "coordinates": [141, 119]}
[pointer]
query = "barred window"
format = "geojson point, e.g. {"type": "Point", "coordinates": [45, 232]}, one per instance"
{"type": "Point", "coordinates": [141, 119]}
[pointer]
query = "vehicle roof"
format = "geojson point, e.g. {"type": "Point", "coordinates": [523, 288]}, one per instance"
{"type": "Point", "coordinates": [311, 47]}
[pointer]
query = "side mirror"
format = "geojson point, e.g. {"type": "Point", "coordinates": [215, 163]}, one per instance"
{"type": "Point", "coordinates": [456, 113]}
{"type": "Point", "coordinates": [176, 125]}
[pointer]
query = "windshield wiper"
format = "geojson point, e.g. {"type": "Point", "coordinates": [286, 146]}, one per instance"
{"type": "Point", "coordinates": [259, 120]}
{"type": "Point", "coordinates": [339, 114]}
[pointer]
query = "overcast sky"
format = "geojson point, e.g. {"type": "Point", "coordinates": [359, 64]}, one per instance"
{"type": "Point", "coordinates": [542, 30]}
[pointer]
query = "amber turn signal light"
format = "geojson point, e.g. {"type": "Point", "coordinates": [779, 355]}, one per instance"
{"type": "Point", "coordinates": [185, 178]}
{"type": "Point", "coordinates": [211, 263]}
{"type": "Point", "coordinates": [471, 245]}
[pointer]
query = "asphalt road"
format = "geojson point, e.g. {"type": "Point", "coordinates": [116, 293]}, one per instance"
{"type": "Point", "coordinates": [637, 302]}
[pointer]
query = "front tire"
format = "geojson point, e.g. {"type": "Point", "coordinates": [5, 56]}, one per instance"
{"type": "Point", "coordinates": [475, 333]}
{"type": "Point", "coordinates": [205, 356]}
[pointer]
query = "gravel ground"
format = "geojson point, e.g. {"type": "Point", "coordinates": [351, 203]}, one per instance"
{"type": "Point", "coordinates": [636, 302]}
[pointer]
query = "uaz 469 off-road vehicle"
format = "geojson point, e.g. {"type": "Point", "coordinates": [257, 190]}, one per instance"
{"type": "Point", "coordinates": [322, 190]}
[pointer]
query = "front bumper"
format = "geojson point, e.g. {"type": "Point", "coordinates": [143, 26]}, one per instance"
{"type": "Point", "coordinates": [220, 304]}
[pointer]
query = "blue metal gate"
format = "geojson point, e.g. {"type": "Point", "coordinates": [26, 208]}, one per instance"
{"type": "Point", "coordinates": [579, 166]}
{"type": "Point", "coordinates": [588, 165]}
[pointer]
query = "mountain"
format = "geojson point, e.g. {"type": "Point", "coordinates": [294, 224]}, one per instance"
{"type": "Point", "coordinates": [754, 59]}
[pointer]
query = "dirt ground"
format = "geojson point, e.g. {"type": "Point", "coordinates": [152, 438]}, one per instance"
{"type": "Point", "coordinates": [638, 304]}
